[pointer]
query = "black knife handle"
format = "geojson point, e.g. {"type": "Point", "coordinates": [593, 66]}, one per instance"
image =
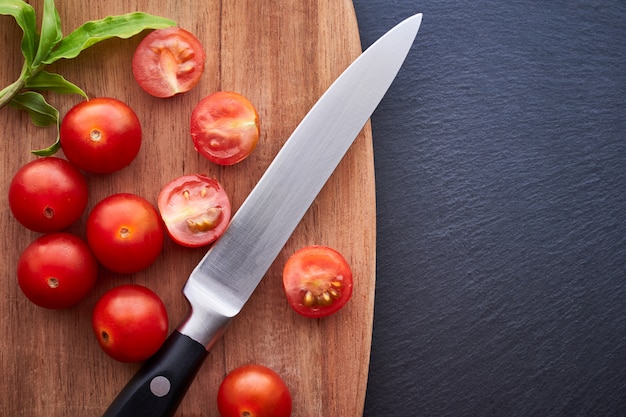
{"type": "Point", "coordinates": [158, 387]}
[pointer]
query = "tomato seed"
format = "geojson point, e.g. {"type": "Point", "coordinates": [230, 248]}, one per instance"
{"type": "Point", "coordinates": [325, 299]}
{"type": "Point", "coordinates": [309, 299]}
{"type": "Point", "coordinates": [206, 221]}
{"type": "Point", "coordinates": [186, 69]}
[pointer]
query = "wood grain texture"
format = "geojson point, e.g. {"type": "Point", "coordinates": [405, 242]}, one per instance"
{"type": "Point", "coordinates": [280, 54]}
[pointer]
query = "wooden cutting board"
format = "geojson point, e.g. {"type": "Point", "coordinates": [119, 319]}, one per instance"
{"type": "Point", "coordinates": [282, 55]}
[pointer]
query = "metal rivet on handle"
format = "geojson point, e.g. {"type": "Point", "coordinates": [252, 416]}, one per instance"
{"type": "Point", "coordinates": [160, 386]}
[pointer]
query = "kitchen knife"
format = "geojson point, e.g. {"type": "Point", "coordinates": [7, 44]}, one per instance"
{"type": "Point", "coordinates": [222, 282]}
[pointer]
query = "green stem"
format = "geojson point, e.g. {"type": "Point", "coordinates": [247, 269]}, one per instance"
{"type": "Point", "coordinates": [10, 91]}
{"type": "Point", "coordinates": [7, 94]}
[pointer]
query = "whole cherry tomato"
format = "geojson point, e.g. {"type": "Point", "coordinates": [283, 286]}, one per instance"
{"type": "Point", "coordinates": [195, 209]}
{"type": "Point", "coordinates": [101, 135]}
{"type": "Point", "coordinates": [317, 281]}
{"type": "Point", "coordinates": [225, 127]}
{"type": "Point", "coordinates": [253, 391]}
{"type": "Point", "coordinates": [130, 323]}
{"type": "Point", "coordinates": [168, 62]}
{"type": "Point", "coordinates": [125, 233]}
{"type": "Point", "coordinates": [48, 194]}
{"type": "Point", "coordinates": [56, 270]}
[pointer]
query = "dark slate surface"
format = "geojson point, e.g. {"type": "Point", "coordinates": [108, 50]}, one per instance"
{"type": "Point", "coordinates": [500, 156]}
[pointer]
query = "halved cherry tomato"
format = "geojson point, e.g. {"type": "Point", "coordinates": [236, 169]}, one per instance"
{"type": "Point", "coordinates": [48, 194]}
{"type": "Point", "coordinates": [195, 210]}
{"type": "Point", "coordinates": [253, 391]}
{"type": "Point", "coordinates": [168, 62]}
{"type": "Point", "coordinates": [130, 323]}
{"type": "Point", "coordinates": [225, 127]}
{"type": "Point", "coordinates": [56, 270]}
{"type": "Point", "coordinates": [101, 135]}
{"type": "Point", "coordinates": [125, 233]}
{"type": "Point", "coordinates": [317, 281]}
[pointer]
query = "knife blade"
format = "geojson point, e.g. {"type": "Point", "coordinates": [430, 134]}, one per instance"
{"type": "Point", "coordinates": [228, 274]}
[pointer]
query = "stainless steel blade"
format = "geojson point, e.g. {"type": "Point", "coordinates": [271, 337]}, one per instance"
{"type": "Point", "coordinates": [230, 271]}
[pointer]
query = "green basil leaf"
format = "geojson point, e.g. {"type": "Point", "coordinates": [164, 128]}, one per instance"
{"type": "Point", "coordinates": [50, 150]}
{"type": "Point", "coordinates": [46, 81]}
{"type": "Point", "coordinates": [50, 31]}
{"type": "Point", "coordinates": [90, 33]}
{"type": "Point", "coordinates": [41, 113]}
{"type": "Point", "coordinates": [24, 15]}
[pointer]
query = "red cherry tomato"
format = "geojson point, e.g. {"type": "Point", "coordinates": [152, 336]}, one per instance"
{"type": "Point", "coordinates": [225, 127]}
{"type": "Point", "coordinates": [254, 391]}
{"type": "Point", "coordinates": [317, 281]}
{"type": "Point", "coordinates": [101, 135]}
{"type": "Point", "coordinates": [56, 270]}
{"type": "Point", "coordinates": [125, 233]}
{"type": "Point", "coordinates": [168, 62]}
{"type": "Point", "coordinates": [130, 323]}
{"type": "Point", "coordinates": [195, 210]}
{"type": "Point", "coordinates": [48, 194]}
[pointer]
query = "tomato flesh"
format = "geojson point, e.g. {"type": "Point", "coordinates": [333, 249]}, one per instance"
{"type": "Point", "coordinates": [317, 281]}
{"type": "Point", "coordinates": [125, 233]}
{"type": "Point", "coordinates": [225, 127]}
{"type": "Point", "coordinates": [195, 209]}
{"type": "Point", "coordinates": [101, 135]}
{"type": "Point", "coordinates": [48, 194]}
{"type": "Point", "coordinates": [56, 270]}
{"type": "Point", "coordinates": [168, 61]}
{"type": "Point", "coordinates": [130, 323]}
{"type": "Point", "coordinates": [253, 391]}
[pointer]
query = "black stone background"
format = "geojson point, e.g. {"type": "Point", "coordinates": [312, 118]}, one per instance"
{"type": "Point", "coordinates": [500, 156]}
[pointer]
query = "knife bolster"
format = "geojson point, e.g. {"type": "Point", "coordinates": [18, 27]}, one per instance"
{"type": "Point", "coordinates": [209, 317]}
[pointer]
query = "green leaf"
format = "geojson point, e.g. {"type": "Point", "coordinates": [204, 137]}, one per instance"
{"type": "Point", "coordinates": [46, 81]}
{"type": "Point", "coordinates": [90, 33]}
{"type": "Point", "coordinates": [41, 113]}
{"type": "Point", "coordinates": [24, 15]}
{"type": "Point", "coordinates": [50, 31]}
{"type": "Point", "coordinates": [50, 150]}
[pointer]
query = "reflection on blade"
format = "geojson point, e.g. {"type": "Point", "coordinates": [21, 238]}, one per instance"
{"type": "Point", "coordinates": [230, 271]}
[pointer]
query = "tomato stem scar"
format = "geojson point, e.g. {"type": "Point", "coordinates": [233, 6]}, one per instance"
{"type": "Point", "coordinates": [48, 212]}
{"type": "Point", "coordinates": [95, 135]}
{"type": "Point", "coordinates": [53, 282]}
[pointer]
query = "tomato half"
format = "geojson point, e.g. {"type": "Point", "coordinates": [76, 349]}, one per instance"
{"type": "Point", "coordinates": [56, 270]}
{"type": "Point", "coordinates": [125, 233]}
{"type": "Point", "coordinates": [48, 194]}
{"type": "Point", "coordinates": [101, 135]}
{"type": "Point", "coordinates": [225, 127]}
{"type": "Point", "coordinates": [195, 210]}
{"type": "Point", "coordinates": [253, 391]}
{"type": "Point", "coordinates": [168, 62]}
{"type": "Point", "coordinates": [130, 323]}
{"type": "Point", "coordinates": [317, 281]}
